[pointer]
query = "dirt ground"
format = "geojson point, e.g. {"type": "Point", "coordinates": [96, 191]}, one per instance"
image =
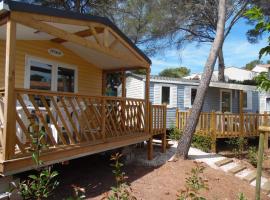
{"type": "Point", "coordinates": [94, 174]}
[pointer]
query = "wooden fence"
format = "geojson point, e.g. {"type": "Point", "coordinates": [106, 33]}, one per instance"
{"type": "Point", "coordinates": [158, 119]}
{"type": "Point", "coordinates": [225, 125]}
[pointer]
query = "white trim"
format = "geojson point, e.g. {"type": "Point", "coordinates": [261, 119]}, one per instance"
{"type": "Point", "coordinates": [55, 65]}
{"type": "Point", "coordinates": [220, 98]}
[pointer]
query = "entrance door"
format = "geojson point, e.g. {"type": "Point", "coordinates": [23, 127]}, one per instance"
{"type": "Point", "coordinates": [226, 101]}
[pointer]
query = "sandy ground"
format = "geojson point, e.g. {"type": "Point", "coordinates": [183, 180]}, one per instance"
{"type": "Point", "coordinates": [148, 181]}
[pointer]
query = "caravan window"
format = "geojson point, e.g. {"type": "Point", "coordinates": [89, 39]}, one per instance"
{"type": "Point", "coordinates": [165, 95]}
{"type": "Point", "coordinates": [245, 100]}
{"type": "Point", "coordinates": [193, 95]}
{"type": "Point", "coordinates": [65, 82]}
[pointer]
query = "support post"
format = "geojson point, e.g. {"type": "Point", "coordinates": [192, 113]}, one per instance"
{"type": "Point", "coordinates": [241, 105]}
{"type": "Point", "coordinates": [265, 123]}
{"type": "Point", "coordinates": [103, 122]}
{"type": "Point", "coordinates": [104, 82]}
{"type": "Point", "coordinates": [259, 167]}
{"type": "Point", "coordinates": [177, 118]}
{"type": "Point", "coordinates": [213, 132]}
{"type": "Point", "coordinates": [164, 138]}
{"type": "Point", "coordinates": [147, 115]}
{"type": "Point", "coordinates": [9, 132]}
{"type": "Point", "coordinates": [123, 78]}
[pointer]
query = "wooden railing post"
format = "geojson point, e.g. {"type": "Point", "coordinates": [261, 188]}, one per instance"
{"type": "Point", "coordinates": [9, 133]}
{"type": "Point", "coordinates": [265, 123]}
{"type": "Point", "coordinates": [103, 118]}
{"type": "Point", "coordinates": [164, 138]}
{"type": "Point", "coordinates": [213, 131]}
{"type": "Point", "coordinates": [241, 117]}
{"type": "Point", "coordinates": [177, 118]}
{"type": "Point", "coordinates": [150, 118]}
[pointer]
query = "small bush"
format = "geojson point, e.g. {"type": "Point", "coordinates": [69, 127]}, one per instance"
{"type": "Point", "coordinates": [238, 144]}
{"type": "Point", "coordinates": [175, 133]}
{"type": "Point", "coordinates": [241, 196]}
{"type": "Point", "coordinates": [202, 142]}
{"type": "Point", "coordinates": [194, 184]}
{"type": "Point", "coordinates": [252, 156]}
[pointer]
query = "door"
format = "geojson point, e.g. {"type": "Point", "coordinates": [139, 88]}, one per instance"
{"type": "Point", "coordinates": [226, 101]}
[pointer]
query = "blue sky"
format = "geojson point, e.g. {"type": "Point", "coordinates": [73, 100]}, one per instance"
{"type": "Point", "coordinates": [237, 52]}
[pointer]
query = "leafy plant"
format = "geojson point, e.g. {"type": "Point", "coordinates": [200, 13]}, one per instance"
{"type": "Point", "coordinates": [238, 144]}
{"type": "Point", "coordinates": [253, 156]}
{"type": "Point", "coordinates": [202, 142]}
{"type": "Point", "coordinates": [194, 184]}
{"type": "Point", "coordinates": [41, 185]}
{"type": "Point", "coordinates": [241, 197]}
{"type": "Point", "coordinates": [122, 191]}
{"type": "Point", "coordinates": [175, 133]}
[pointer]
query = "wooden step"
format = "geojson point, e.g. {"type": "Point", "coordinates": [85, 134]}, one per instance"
{"type": "Point", "coordinates": [250, 177]}
{"type": "Point", "coordinates": [237, 169]}
{"type": "Point", "coordinates": [266, 187]}
{"type": "Point", "coordinates": [224, 162]}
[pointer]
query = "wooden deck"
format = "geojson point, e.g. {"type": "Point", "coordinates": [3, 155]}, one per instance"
{"type": "Point", "coordinates": [225, 125]}
{"type": "Point", "coordinates": [77, 125]}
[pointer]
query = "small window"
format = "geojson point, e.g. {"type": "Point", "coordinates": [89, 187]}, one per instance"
{"type": "Point", "coordinates": [268, 104]}
{"type": "Point", "coordinates": [245, 100]}
{"type": "Point", "coordinates": [165, 95]}
{"type": "Point", "coordinates": [65, 80]}
{"type": "Point", "coordinates": [193, 95]}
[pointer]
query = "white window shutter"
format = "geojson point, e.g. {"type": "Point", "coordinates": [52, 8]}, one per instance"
{"type": "Point", "coordinates": [157, 94]}
{"type": "Point", "coordinates": [249, 100]}
{"type": "Point", "coordinates": [187, 97]}
{"type": "Point", "coordinates": [173, 96]}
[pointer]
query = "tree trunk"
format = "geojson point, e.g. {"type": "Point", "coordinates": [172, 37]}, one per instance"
{"type": "Point", "coordinates": [185, 141]}
{"type": "Point", "coordinates": [221, 65]}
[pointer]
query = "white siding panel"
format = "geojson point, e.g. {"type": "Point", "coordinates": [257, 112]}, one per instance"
{"type": "Point", "coordinates": [173, 96]}
{"type": "Point", "coordinates": [249, 100]}
{"type": "Point", "coordinates": [157, 94]}
{"type": "Point", "coordinates": [187, 97]}
{"type": "Point", "coordinates": [135, 88]}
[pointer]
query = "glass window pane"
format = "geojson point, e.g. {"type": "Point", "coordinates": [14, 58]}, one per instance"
{"type": "Point", "coordinates": [226, 102]}
{"type": "Point", "coordinates": [65, 80]}
{"type": "Point", "coordinates": [165, 95]}
{"type": "Point", "coordinates": [245, 99]}
{"type": "Point", "coordinates": [40, 75]}
{"type": "Point", "coordinates": [193, 95]}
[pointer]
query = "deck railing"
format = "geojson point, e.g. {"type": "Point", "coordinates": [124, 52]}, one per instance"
{"type": "Point", "coordinates": [158, 119]}
{"type": "Point", "coordinates": [225, 125]}
{"type": "Point", "coordinates": [72, 119]}
{"type": "Point", "coordinates": [2, 93]}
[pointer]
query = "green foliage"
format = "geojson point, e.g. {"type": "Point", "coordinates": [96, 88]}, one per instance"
{"type": "Point", "coordinates": [252, 156]}
{"type": "Point", "coordinates": [252, 64]}
{"type": "Point", "coordinates": [175, 72]}
{"type": "Point", "coordinates": [262, 81]}
{"type": "Point", "coordinates": [244, 82]}
{"type": "Point", "coordinates": [41, 185]}
{"type": "Point", "coordinates": [38, 186]}
{"type": "Point", "coordinates": [175, 133]}
{"type": "Point", "coordinates": [202, 142]}
{"type": "Point", "coordinates": [241, 197]}
{"type": "Point", "coordinates": [194, 184]}
{"type": "Point", "coordinates": [262, 25]}
{"type": "Point", "coordinates": [239, 144]}
{"type": "Point", "coordinates": [122, 191]}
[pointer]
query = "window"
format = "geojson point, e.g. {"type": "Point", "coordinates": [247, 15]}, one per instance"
{"type": "Point", "coordinates": [245, 100]}
{"type": "Point", "coordinates": [193, 95]}
{"type": "Point", "coordinates": [226, 98]}
{"type": "Point", "coordinates": [47, 75]}
{"type": "Point", "coordinates": [40, 76]}
{"type": "Point", "coordinates": [267, 104]}
{"type": "Point", "coordinates": [165, 95]}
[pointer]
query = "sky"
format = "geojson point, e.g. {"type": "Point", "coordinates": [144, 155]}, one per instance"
{"type": "Point", "coordinates": [237, 52]}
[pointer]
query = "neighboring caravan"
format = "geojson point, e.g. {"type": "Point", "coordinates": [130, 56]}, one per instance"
{"type": "Point", "coordinates": [180, 93]}
{"type": "Point", "coordinates": [53, 73]}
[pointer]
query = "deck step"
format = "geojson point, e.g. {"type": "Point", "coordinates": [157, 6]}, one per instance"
{"type": "Point", "coordinates": [266, 187]}
{"type": "Point", "coordinates": [250, 177]}
{"type": "Point", "coordinates": [237, 169]}
{"type": "Point", "coordinates": [223, 162]}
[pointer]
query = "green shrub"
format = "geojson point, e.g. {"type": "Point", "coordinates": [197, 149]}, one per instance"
{"type": "Point", "coordinates": [202, 142]}
{"type": "Point", "coordinates": [194, 184]}
{"type": "Point", "coordinates": [241, 197]}
{"type": "Point", "coordinates": [252, 156]}
{"type": "Point", "coordinates": [175, 133]}
{"type": "Point", "coordinates": [238, 144]}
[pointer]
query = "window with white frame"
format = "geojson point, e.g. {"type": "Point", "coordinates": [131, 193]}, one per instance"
{"type": "Point", "coordinates": [165, 95]}
{"type": "Point", "coordinates": [245, 100]}
{"type": "Point", "coordinates": [47, 75]}
{"type": "Point", "coordinates": [193, 95]}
